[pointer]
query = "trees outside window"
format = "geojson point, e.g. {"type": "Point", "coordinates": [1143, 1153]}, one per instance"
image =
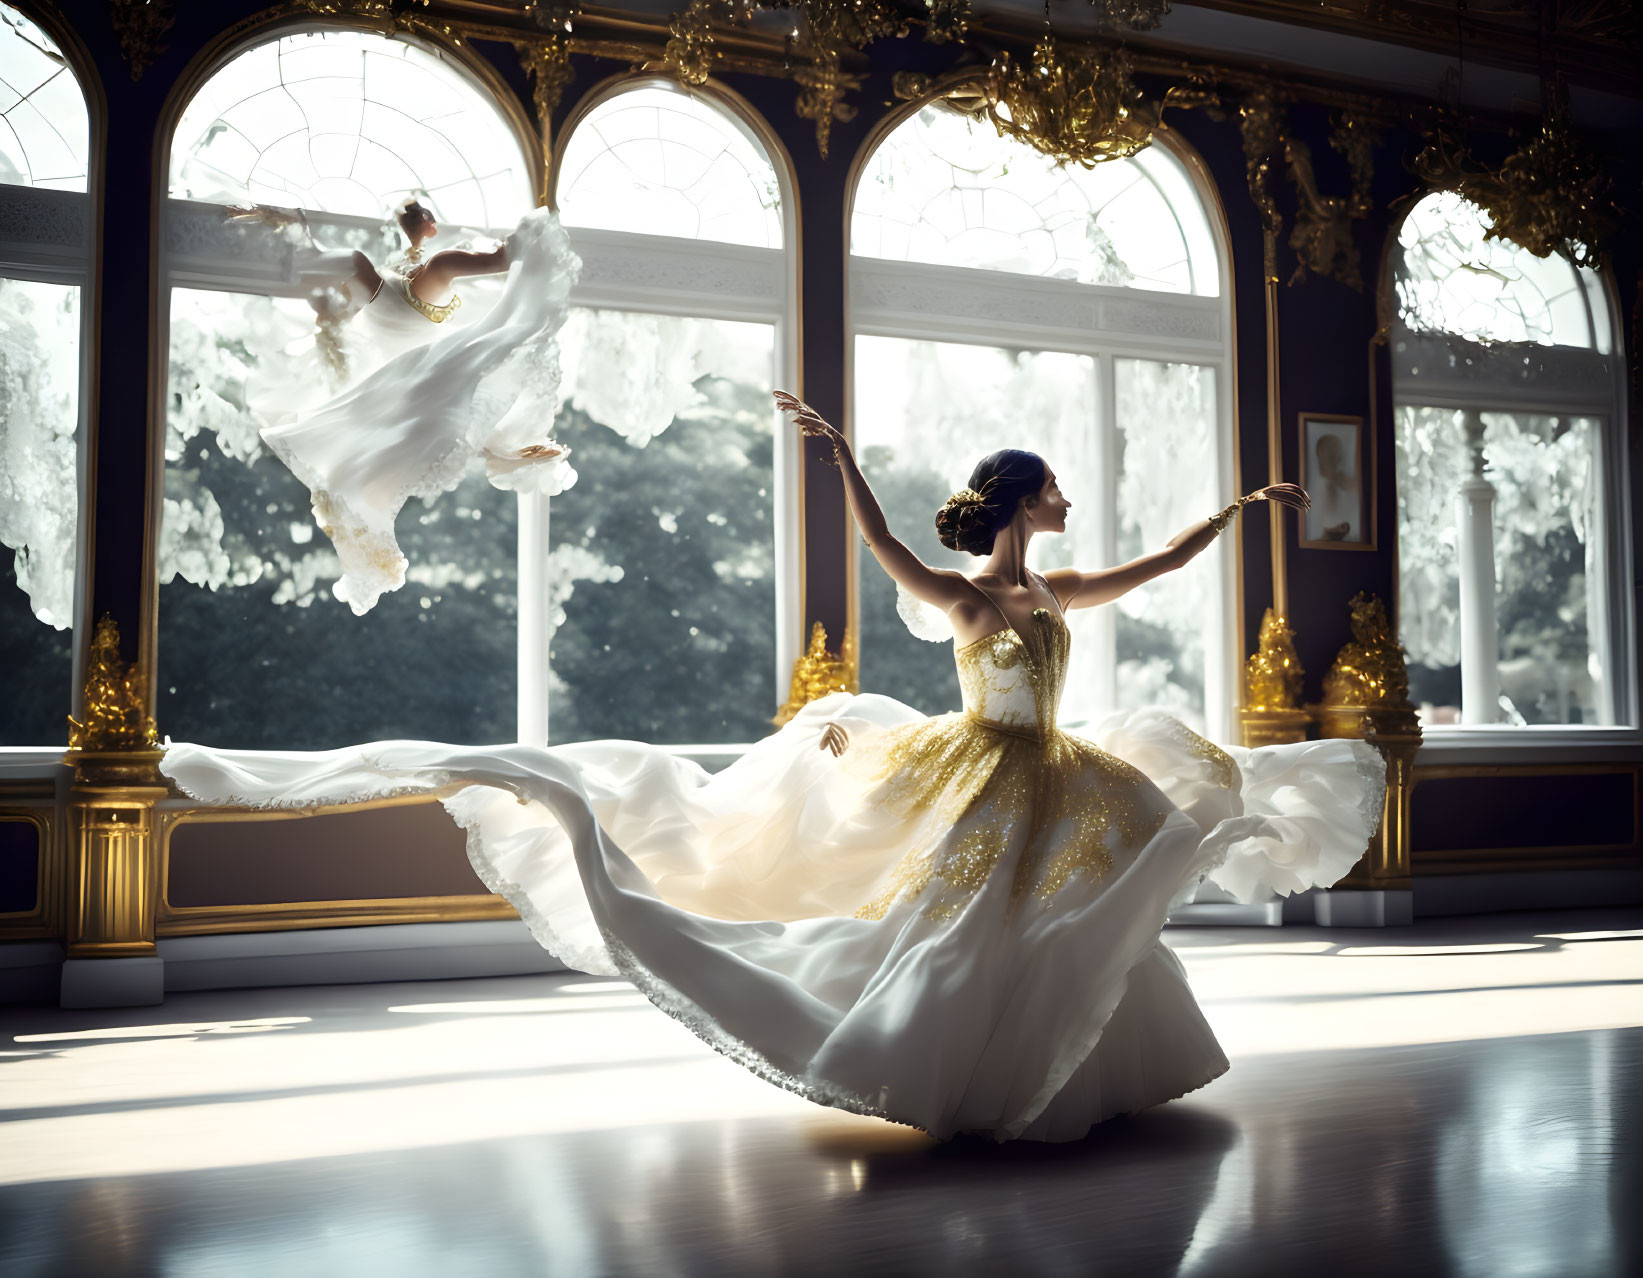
{"type": "Point", "coordinates": [254, 651]}
{"type": "Point", "coordinates": [998, 300]}
{"type": "Point", "coordinates": [1513, 591]}
{"type": "Point", "coordinates": [676, 617]}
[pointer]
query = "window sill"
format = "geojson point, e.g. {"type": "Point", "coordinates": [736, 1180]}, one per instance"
{"type": "Point", "coordinates": [28, 763]}
{"type": "Point", "coordinates": [1572, 744]}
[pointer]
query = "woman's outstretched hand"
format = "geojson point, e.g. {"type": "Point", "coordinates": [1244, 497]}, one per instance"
{"type": "Point", "coordinates": [1291, 495]}
{"type": "Point", "coordinates": [835, 739]}
{"type": "Point", "coordinates": [808, 420]}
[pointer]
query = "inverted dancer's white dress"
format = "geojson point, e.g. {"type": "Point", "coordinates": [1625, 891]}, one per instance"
{"type": "Point", "coordinates": [447, 395]}
{"type": "Point", "coordinates": [954, 926]}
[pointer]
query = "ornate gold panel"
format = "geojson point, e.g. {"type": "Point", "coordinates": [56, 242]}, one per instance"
{"type": "Point", "coordinates": [191, 920]}
{"type": "Point", "coordinates": [1572, 856]}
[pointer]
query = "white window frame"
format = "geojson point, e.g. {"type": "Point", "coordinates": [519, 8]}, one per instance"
{"type": "Point", "coordinates": [923, 302]}
{"type": "Point", "coordinates": [1446, 371]}
{"type": "Point", "coordinates": [201, 249]}
{"type": "Point", "coordinates": [47, 236]}
{"type": "Point", "coordinates": [703, 279]}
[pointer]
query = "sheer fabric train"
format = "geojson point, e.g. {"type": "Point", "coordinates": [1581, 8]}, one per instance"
{"type": "Point", "coordinates": [444, 396]}
{"type": "Point", "coordinates": [954, 926]}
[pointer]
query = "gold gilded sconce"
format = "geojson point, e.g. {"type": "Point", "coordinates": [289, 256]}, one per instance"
{"type": "Point", "coordinates": [819, 673]}
{"type": "Point", "coordinates": [1272, 713]}
{"type": "Point", "coordinates": [1366, 695]}
{"type": "Point", "coordinates": [113, 887]}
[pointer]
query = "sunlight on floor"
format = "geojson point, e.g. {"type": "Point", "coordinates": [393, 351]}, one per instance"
{"type": "Point", "coordinates": [366, 1070]}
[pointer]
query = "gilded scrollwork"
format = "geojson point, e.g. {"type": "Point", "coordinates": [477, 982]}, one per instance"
{"type": "Point", "coordinates": [1322, 235]}
{"type": "Point", "coordinates": [1259, 121]}
{"type": "Point", "coordinates": [548, 64]}
{"type": "Point", "coordinates": [822, 89]}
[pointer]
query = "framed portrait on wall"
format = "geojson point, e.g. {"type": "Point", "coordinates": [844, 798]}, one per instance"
{"type": "Point", "coordinates": [1338, 472]}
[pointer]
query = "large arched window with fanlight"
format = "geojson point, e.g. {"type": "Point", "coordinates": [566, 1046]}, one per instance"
{"type": "Point", "coordinates": [1513, 553]}
{"type": "Point", "coordinates": [254, 651]}
{"type": "Point", "coordinates": [45, 260]}
{"type": "Point", "coordinates": [1000, 300]}
{"type": "Point", "coordinates": [675, 554]}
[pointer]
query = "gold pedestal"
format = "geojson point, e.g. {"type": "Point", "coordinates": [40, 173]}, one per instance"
{"type": "Point", "coordinates": [113, 871]}
{"type": "Point", "coordinates": [1396, 733]}
{"type": "Point", "coordinates": [1264, 727]}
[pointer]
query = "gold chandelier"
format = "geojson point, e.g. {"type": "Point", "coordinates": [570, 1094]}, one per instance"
{"type": "Point", "coordinates": [1073, 103]}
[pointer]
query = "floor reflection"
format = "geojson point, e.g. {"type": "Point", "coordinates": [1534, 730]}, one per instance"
{"type": "Point", "coordinates": [603, 1140]}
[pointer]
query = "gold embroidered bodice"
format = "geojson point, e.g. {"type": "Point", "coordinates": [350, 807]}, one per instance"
{"type": "Point", "coordinates": [1013, 679]}
{"type": "Point", "coordinates": [999, 776]}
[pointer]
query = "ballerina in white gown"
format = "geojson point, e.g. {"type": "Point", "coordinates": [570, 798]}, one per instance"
{"type": "Point", "coordinates": [434, 395]}
{"type": "Point", "coordinates": [949, 922]}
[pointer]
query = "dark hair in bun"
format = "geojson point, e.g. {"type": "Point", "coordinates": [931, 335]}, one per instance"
{"type": "Point", "coordinates": [973, 515]}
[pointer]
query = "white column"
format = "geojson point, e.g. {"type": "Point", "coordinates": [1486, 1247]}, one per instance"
{"type": "Point", "coordinates": [1103, 622]}
{"type": "Point", "coordinates": [1479, 629]}
{"type": "Point", "coordinates": [535, 619]}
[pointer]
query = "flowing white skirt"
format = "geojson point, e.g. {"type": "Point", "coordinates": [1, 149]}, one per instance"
{"type": "Point", "coordinates": [481, 390]}
{"type": "Point", "coordinates": [731, 900]}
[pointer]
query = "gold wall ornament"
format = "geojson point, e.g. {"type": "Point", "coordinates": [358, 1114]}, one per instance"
{"type": "Point", "coordinates": [822, 88]}
{"type": "Point", "coordinates": [1369, 670]}
{"type": "Point", "coordinates": [819, 673]}
{"type": "Point", "coordinates": [548, 64]}
{"type": "Point", "coordinates": [854, 24]}
{"type": "Point", "coordinates": [556, 16]}
{"type": "Point", "coordinates": [1273, 673]}
{"type": "Point", "coordinates": [946, 21]}
{"type": "Point", "coordinates": [1258, 120]}
{"type": "Point", "coordinates": [1129, 15]}
{"type": "Point", "coordinates": [689, 52]}
{"type": "Point", "coordinates": [1073, 103]}
{"type": "Point", "coordinates": [116, 700]}
{"type": "Point", "coordinates": [375, 10]}
{"type": "Point", "coordinates": [1322, 235]}
{"type": "Point", "coordinates": [141, 27]}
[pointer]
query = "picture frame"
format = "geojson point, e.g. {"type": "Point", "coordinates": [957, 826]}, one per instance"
{"type": "Point", "coordinates": [1337, 459]}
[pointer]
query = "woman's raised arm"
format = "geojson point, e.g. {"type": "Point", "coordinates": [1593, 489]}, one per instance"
{"type": "Point", "coordinates": [937, 586]}
{"type": "Point", "coordinates": [1077, 589]}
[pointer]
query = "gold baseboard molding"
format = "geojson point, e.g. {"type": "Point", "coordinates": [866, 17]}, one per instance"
{"type": "Point", "coordinates": [205, 920]}
{"type": "Point", "coordinates": [1514, 860]}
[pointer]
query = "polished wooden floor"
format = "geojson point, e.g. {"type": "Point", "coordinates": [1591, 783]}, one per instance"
{"type": "Point", "coordinates": [1462, 1097]}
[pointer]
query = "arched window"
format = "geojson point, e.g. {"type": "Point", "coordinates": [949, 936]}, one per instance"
{"type": "Point", "coordinates": [999, 300]}
{"type": "Point", "coordinates": [45, 249]}
{"type": "Point", "coordinates": [1513, 585]}
{"type": "Point", "coordinates": [675, 554]}
{"type": "Point", "coordinates": [253, 649]}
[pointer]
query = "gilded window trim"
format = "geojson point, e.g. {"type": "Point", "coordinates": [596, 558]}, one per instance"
{"type": "Point", "coordinates": [206, 62]}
